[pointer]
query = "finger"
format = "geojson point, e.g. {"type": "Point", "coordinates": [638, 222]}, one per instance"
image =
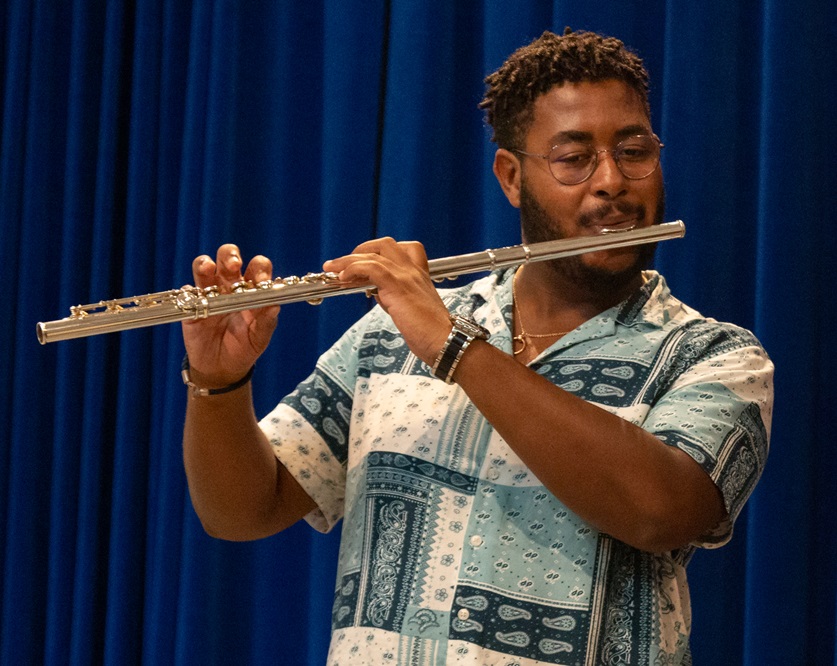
{"type": "Point", "coordinates": [264, 322]}
{"type": "Point", "coordinates": [203, 271]}
{"type": "Point", "coordinates": [260, 269]}
{"type": "Point", "coordinates": [341, 263]}
{"type": "Point", "coordinates": [400, 253]}
{"type": "Point", "coordinates": [379, 270]}
{"type": "Point", "coordinates": [376, 246]}
{"type": "Point", "coordinates": [362, 268]}
{"type": "Point", "coordinates": [229, 263]}
{"type": "Point", "coordinates": [416, 252]}
{"type": "Point", "coordinates": [363, 252]}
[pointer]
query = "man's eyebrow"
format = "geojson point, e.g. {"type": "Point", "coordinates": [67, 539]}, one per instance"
{"type": "Point", "coordinates": [572, 136]}
{"type": "Point", "coordinates": [633, 130]}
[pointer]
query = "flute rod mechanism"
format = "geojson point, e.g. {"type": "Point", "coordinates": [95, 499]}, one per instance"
{"type": "Point", "coordinates": [192, 303]}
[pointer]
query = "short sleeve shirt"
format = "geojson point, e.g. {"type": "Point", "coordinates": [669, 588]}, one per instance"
{"type": "Point", "coordinates": [452, 551]}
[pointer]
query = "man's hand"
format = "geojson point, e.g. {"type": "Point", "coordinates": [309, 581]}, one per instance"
{"type": "Point", "coordinates": [399, 272]}
{"type": "Point", "coordinates": [222, 348]}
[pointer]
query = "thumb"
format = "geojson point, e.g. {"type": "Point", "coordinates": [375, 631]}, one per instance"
{"type": "Point", "coordinates": [263, 326]}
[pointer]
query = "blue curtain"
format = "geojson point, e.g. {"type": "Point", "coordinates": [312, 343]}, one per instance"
{"type": "Point", "coordinates": [138, 135]}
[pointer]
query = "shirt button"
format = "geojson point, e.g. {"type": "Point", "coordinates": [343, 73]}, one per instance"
{"type": "Point", "coordinates": [476, 541]}
{"type": "Point", "coordinates": [493, 474]}
{"type": "Point", "coordinates": [463, 614]}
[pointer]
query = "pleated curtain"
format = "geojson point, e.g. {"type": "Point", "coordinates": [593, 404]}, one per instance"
{"type": "Point", "coordinates": [137, 135]}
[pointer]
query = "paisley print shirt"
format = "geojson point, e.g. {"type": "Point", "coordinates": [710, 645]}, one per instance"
{"type": "Point", "coordinates": [452, 552]}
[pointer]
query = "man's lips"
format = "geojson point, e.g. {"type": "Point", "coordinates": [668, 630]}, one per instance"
{"type": "Point", "coordinates": [615, 224]}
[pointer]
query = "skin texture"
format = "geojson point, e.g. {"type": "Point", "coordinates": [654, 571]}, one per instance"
{"type": "Point", "coordinates": [616, 476]}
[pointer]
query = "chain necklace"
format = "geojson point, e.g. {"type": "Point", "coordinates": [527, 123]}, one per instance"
{"type": "Point", "coordinates": [523, 336]}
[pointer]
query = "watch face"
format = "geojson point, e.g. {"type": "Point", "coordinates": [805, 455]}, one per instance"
{"type": "Point", "coordinates": [469, 327]}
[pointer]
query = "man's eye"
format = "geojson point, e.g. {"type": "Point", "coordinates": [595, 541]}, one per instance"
{"type": "Point", "coordinates": [575, 158]}
{"type": "Point", "coordinates": [634, 153]}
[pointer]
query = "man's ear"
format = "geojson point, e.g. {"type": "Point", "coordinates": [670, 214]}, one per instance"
{"type": "Point", "coordinates": [507, 170]}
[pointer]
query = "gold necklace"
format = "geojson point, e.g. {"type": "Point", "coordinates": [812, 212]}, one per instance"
{"type": "Point", "coordinates": [523, 336]}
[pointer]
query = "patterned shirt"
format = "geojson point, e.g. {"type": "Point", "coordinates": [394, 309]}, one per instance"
{"type": "Point", "coordinates": [452, 551]}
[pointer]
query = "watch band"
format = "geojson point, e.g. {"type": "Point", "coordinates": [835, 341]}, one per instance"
{"type": "Point", "coordinates": [463, 333]}
{"type": "Point", "coordinates": [449, 356]}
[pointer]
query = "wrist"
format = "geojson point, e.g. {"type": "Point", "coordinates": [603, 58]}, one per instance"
{"type": "Point", "coordinates": [202, 387]}
{"type": "Point", "coordinates": [463, 333]}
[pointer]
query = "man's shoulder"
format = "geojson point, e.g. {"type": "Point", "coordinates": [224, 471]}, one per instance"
{"type": "Point", "coordinates": [664, 308]}
{"type": "Point", "coordinates": [706, 338]}
{"type": "Point", "coordinates": [681, 332]}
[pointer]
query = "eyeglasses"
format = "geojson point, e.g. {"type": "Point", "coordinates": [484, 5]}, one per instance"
{"type": "Point", "coordinates": [637, 157]}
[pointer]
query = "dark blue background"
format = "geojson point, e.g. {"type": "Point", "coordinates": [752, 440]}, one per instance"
{"type": "Point", "coordinates": [138, 135]}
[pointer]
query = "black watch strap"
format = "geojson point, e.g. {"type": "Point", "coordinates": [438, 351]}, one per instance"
{"type": "Point", "coordinates": [463, 333]}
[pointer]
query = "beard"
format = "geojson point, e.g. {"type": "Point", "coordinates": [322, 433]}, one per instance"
{"type": "Point", "coordinates": [537, 226]}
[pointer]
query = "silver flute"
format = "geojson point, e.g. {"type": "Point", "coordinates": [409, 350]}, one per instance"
{"type": "Point", "coordinates": [190, 302]}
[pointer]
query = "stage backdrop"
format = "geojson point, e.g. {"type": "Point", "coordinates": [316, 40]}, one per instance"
{"type": "Point", "coordinates": [138, 135]}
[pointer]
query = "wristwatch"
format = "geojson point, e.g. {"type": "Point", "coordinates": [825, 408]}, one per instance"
{"type": "Point", "coordinates": [463, 333]}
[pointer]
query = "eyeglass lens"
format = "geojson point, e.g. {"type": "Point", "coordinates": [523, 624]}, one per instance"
{"type": "Point", "coordinates": [637, 157]}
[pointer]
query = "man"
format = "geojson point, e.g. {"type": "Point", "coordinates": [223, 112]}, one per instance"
{"type": "Point", "coordinates": [523, 482]}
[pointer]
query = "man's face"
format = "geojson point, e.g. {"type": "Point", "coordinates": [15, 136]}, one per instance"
{"type": "Point", "coordinates": [601, 115]}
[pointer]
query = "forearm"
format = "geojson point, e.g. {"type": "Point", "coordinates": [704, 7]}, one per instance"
{"type": "Point", "coordinates": [238, 488]}
{"type": "Point", "coordinates": [615, 475]}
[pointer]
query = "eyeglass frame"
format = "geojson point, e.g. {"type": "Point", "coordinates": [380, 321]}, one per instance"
{"type": "Point", "coordinates": [612, 151]}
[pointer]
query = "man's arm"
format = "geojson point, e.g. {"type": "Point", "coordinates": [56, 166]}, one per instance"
{"type": "Point", "coordinates": [615, 475]}
{"type": "Point", "coordinates": [618, 477]}
{"type": "Point", "coordinates": [238, 487]}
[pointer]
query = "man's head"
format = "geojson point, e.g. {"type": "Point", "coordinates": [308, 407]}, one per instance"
{"type": "Point", "coordinates": [576, 152]}
{"type": "Point", "coordinates": [551, 61]}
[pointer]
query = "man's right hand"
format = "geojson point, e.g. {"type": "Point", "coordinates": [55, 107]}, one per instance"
{"type": "Point", "coordinates": [223, 348]}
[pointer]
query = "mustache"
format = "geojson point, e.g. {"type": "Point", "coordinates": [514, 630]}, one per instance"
{"type": "Point", "coordinates": [596, 215]}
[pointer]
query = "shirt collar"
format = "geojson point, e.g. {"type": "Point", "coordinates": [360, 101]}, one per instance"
{"type": "Point", "coordinates": [650, 305]}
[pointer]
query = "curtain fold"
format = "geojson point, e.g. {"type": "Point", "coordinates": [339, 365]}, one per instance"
{"type": "Point", "coordinates": [135, 136]}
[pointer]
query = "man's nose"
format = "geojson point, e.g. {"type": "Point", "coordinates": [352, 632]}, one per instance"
{"type": "Point", "coordinates": [607, 179]}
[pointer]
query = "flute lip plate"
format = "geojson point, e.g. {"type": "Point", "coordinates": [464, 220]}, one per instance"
{"type": "Point", "coordinates": [612, 230]}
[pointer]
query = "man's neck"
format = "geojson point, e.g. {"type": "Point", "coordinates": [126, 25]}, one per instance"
{"type": "Point", "coordinates": [548, 304]}
{"type": "Point", "coordinates": [546, 293]}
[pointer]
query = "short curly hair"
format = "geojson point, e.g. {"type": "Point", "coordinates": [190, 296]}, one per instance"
{"type": "Point", "coordinates": [550, 61]}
